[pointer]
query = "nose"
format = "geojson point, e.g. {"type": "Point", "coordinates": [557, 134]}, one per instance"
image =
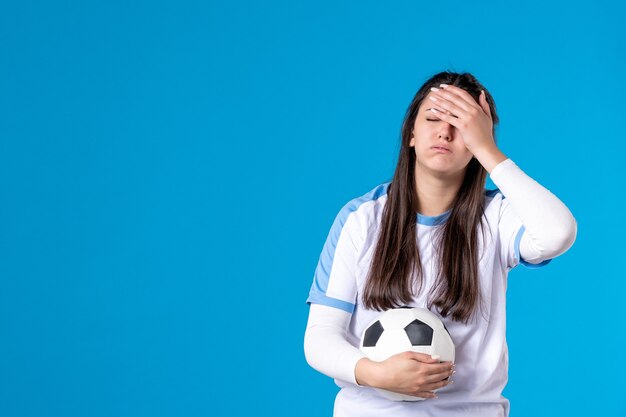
{"type": "Point", "coordinates": [445, 132]}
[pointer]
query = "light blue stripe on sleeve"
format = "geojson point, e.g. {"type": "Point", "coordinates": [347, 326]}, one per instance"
{"type": "Point", "coordinates": [518, 239]}
{"type": "Point", "coordinates": [317, 294]}
{"type": "Point", "coordinates": [321, 298]}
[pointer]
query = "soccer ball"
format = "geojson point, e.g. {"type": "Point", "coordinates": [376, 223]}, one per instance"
{"type": "Point", "coordinates": [406, 329]}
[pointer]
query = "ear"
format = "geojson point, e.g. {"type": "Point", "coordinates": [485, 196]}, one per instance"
{"type": "Point", "coordinates": [412, 143]}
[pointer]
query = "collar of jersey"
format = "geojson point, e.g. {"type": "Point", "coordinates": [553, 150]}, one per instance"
{"type": "Point", "coordinates": [433, 220]}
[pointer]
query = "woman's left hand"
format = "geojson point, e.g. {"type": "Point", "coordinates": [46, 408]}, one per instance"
{"type": "Point", "coordinates": [473, 120]}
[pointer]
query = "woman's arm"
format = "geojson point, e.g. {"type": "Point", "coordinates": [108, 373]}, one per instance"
{"type": "Point", "coordinates": [325, 346]}
{"type": "Point", "coordinates": [550, 226]}
{"type": "Point", "coordinates": [327, 350]}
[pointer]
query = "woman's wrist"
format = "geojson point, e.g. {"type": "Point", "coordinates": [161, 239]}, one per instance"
{"type": "Point", "coordinates": [490, 157]}
{"type": "Point", "coordinates": [366, 372]}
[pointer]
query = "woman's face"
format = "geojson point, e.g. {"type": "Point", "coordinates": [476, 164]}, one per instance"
{"type": "Point", "coordinates": [430, 132]}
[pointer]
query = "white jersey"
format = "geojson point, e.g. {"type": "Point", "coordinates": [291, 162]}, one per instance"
{"type": "Point", "coordinates": [481, 349]}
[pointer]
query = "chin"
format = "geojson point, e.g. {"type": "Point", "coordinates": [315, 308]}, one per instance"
{"type": "Point", "coordinates": [445, 168]}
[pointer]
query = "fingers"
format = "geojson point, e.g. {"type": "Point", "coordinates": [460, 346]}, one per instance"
{"type": "Point", "coordinates": [438, 368]}
{"type": "Point", "coordinates": [453, 120]}
{"type": "Point", "coordinates": [434, 366]}
{"type": "Point", "coordinates": [436, 385]}
{"type": "Point", "coordinates": [451, 101]}
{"type": "Point", "coordinates": [432, 374]}
{"type": "Point", "coordinates": [445, 105]}
{"type": "Point", "coordinates": [423, 357]}
{"type": "Point", "coordinates": [426, 391]}
{"type": "Point", "coordinates": [484, 104]}
{"type": "Point", "coordinates": [464, 97]}
{"type": "Point", "coordinates": [439, 376]}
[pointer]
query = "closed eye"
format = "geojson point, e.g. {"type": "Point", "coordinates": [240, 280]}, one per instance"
{"type": "Point", "coordinates": [433, 120]}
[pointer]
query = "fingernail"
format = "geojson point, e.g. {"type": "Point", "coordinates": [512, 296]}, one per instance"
{"type": "Point", "coordinates": [434, 89]}
{"type": "Point", "coordinates": [443, 85]}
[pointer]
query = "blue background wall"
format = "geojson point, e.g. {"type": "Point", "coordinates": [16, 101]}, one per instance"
{"type": "Point", "coordinates": [169, 172]}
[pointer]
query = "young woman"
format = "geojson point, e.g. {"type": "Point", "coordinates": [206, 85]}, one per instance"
{"type": "Point", "coordinates": [433, 237]}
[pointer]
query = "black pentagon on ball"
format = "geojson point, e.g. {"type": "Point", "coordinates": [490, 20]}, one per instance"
{"type": "Point", "coordinates": [420, 334]}
{"type": "Point", "coordinates": [372, 334]}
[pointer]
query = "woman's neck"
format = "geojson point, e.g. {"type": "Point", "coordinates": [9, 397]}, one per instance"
{"type": "Point", "coordinates": [436, 194]}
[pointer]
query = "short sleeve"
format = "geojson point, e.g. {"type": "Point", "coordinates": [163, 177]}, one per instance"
{"type": "Point", "coordinates": [511, 230]}
{"type": "Point", "coordinates": [334, 282]}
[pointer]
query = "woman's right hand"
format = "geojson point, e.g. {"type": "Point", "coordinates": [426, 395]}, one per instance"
{"type": "Point", "coordinates": [415, 374]}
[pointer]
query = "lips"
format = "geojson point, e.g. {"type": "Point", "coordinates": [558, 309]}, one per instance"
{"type": "Point", "coordinates": [441, 148]}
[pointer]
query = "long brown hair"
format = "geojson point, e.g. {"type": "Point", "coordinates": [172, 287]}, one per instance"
{"type": "Point", "coordinates": [396, 259]}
